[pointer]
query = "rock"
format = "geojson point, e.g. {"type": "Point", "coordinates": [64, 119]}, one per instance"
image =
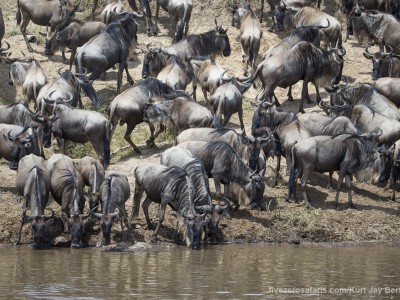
{"type": "Point", "coordinates": [60, 241]}
{"type": "Point", "coordinates": [294, 238]}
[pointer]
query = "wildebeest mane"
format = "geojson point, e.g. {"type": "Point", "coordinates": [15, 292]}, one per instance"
{"type": "Point", "coordinates": [107, 193]}
{"type": "Point", "coordinates": [195, 170]}
{"type": "Point", "coordinates": [68, 183]}
{"type": "Point", "coordinates": [202, 43]}
{"type": "Point", "coordinates": [220, 131]}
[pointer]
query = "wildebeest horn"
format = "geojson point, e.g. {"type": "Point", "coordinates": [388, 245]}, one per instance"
{"type": "Point", "coordinates": [369, 54]}
{"type": "Point", "coordinates": [136, 14]}
{"type": "Point", "coordinates": [25, 217]}
{"type": "Point", "coordinates": [384, 54]}
{"type": "Point", "coordinates": [59, 71]}
{"type": "Point", "coordinates": [218, 208]}
{"type": "Point", "coordinates": [80, 74]}
{"type": "Point", "coordinates": [329, 24]}
{"type": "Point", "coordinates": [204, 208]}
{"type": "Point", "coordinates": [341, 51]}
{"type": "Point", "coordinates": [5, 49]}
{"type": "Point", "coordinates": [148, 45]}
{"type": "Point", "coordinates": [9, 137]}
{"type": "Point", "coordinates": [266, 104]}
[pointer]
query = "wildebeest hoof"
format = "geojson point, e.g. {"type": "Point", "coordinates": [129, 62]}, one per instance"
{"type": "Point", "coordinates": [290, 98]}
{"type": "Point", "coordinates": [130, 81]}
{"type": "Point", "coordinates": [150, 143]}
{"type": "Point", "coordinates": [17, 243]}
{"type": "Point", "coordinates": [302, 111]}
{"type": "Point", "coordinates": [236, 208]}
{"type": "Point", "coordinates": [153, 239]}
{"type": "Point", "coordinates": [352, 206]}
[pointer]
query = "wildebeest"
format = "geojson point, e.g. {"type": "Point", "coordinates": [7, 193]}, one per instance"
{"type": "Point", "coordinates": [2, 31]}
{"type": "Point", "coordinates": [179, 157]}
{"type": "Point", "coordinates": [250, 33]}
{"type": "Point", "coordinates": [390, 88]}
{"type": "Point", "coordinates": [81, 126]}
{"type": "Point", "coordinates": [128, 106]}
{"type": "Point", "coordinates": [382, 5]}
{"type": "Point", "coordinates": [223, 165]}
{"type": "Point", "coordinates": [365, 94]}
{"type": "Point", "coordinates": [178, 10]}
{"type": "Point", "coordinates": [384, 64]}
{"type": "Point", "coordinates": [33, 184]}
{"type": "Point", "coordinates": [45, 13]}
{"type": "Point", "coordinates": [111, 10]}
{"type": "Point", "coordinates": [302, 62]}
{"type": "Point", "coordinates": [347, 154]}
{"type": "Point", "coordinates": [368, 120]}
{"type": "Point", "coordinates": [114, 191]}
{"type": "Point", "coordinates": [226, 100]}
{"type": "Point", "coordinates": [285, 125]}
{"type": "Point", "coordinates": [108, 48]}
{"type": "Point", "coordinates": [67, 191]}
{"type": "Point", "coordinates": [383, 28]}
{"type": "Point", "coordinates": [168, 68]}
{"type": "Point", "coordinates": [395, 169]}
{"type": "Point", "coordinates": [331, 36]}
{"type": "Point", "coordinates": [16, 142]}
{"type": "Point", "coordinates": [65, 88]}
{"type": "Point", "coordinates": [209, 43]}
{"type": "Point", "coordinates": [28, 74]}
{"type": "Point", "coordinates": [170, 186]}
{"type": "Point", "coordinates": [75, 35]}
{"type": "Point", "coordinates": [182, 112]}
{"type": "Point", "coordinates": [93, 174]}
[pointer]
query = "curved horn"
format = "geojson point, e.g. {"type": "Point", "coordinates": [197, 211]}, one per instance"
{"type": "Point", "coordinates": [341, 51]}
{"type": "Point", "coordinates": [136, 14]}
{"type": "Point", "coordinates": [219, 209]}
{"type": "Point", "coordinates": [70, 98]}
{"type": "Point", "coordinates": [59, 70]}
{"type": "Point", "coordinates": [369, 54]}
{"type": "Point", "coordinates": [80, 74]}
{"type": "Point", "coordinates": [329, 24]}
{"type": "Point", "coordinates": [384, 54]}
{"type": "Point", "coordinates": [9, 137]}
{"type": "Point", "coordinates": [148, 45]}
{"type": "Point", "coordinates": [5, 49]}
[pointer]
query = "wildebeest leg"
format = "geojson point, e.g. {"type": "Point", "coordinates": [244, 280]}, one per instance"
{"type": "Point", "coordinates": [277, 104]}
{"type": "Point", "coordinates": [393, 179]}
{"type": "Point", "coordinates": [348, 185]}
{"type": "Point", "coordinates": [289, 94]}
{"type": "Point", "coordinates": [338, 188]}
{"type": "Point", "coordinates": [25, 22]}
{"type": "Point", "coordinates": [240, 114]}
{"type": "Point", "coordinates": [127, 137]}
{"type": "Point", "coordinates": [150, 142]}
{"type": "Point", "coordinates": [94, 5]}
{"type": "Point", "coordinates": [161, 215]}
{"type": "Point", "coordinates": [64, 219]}
{"type": "Point", "coordinates": [226, 190]}
{"type": "Point", "coordinates": [217, 184]}
{"type": "Point", "coordinates": [136, 201]}
{"type": "Point", "coordinates": [145, 207]}
{"type": "Point", "coordinates": [304, 94]}
{"type": "Point", "coordinates": [277, 169]}
{"type": "Point", "coordinates": [318, 95]}
{"type": "Point", "coordinates": [262, 11]}
{"type": "Point", "coordinates": [18, 240]}
{"type": "Point", "coordinates": [128, 76]}
{"type": "Point", "coordinates": [330, 187]}
{"type": "Point", "coordinates": [156, 17]}
{"type": "Point", "coordinates": [304, 179]}
{"type": "Point", "coordinates": [71, 59]}
{"type": "Point", "coordinates": [121, 68]}
{"type": "Point", "coordinates": [206, 98]}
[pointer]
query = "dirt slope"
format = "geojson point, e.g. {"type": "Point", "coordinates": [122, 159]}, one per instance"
{"type": "Point", "coordinates": [375, 220]}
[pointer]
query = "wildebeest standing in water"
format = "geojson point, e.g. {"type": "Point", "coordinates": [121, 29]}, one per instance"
{"type": "Point", "coordinates": [177, 9]}
{"type": "Point", "coordinates": [347, 154]}
{"type": "Point", "coordinates": [67, 191]}
{"type": "Point", "coordinates": [114, 191]}
{"type": "Point", "coordinates": [45, 13]}
{"type": "Point", "coordinates": [33, 184]}
{"type": "Point", "coordinates": [168, 186]}
{"type": "Point", "coordinates": [81, 126]}
{"type": "Point", "coordinates": [110, 47]}
{"type": "Point", "coordinates": [250, 33]}
{"type": "Point", "coordinates": [16, 142]}
{"type": "Point", "coordinates": [128, 107]}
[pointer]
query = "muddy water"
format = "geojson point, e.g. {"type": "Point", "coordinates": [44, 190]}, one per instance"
{"type": "Point", "coordinates": [224, 271]}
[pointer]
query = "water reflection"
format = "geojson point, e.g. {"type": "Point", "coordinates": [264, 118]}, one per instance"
{"type": "Point", "coordinates": [224, 271]}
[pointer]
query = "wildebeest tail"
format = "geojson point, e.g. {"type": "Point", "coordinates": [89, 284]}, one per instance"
{"type": "Point", "coordinates": [251, 53]}
{"type": "Point", "coordinates": [217, 122]}
{"type": "Point", "coordinates": [179, 33]}
{"type": "Point", "coordinates": [293, 174]}
{"type": "Point", "coordinates": [106, 145]}
{"type": "Point", "coordinates": [340, 41]}
{"type": "Point", "coordinates": [18, 15]}
{"type": "Point", "coordinates": [87, 87]}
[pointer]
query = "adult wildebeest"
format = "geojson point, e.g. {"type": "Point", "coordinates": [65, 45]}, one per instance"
{"type": "Point", "coordinates": [382, 5]}
{"type": "Point", "coordinates": [384, 64]}
{"type": "Point", "coordinates": [108, 48]}
{"type": "Point", "coordinates": [28, 74]}
{"type": "Point", "coordinates": [51, 13]}
{"type": "Point", "coordinates": [368, 120]}
{"type": "Point", "coordinates": [395, 169]}
{"type": "Point", "coordinates": [209, 43]}
{"type": "Point", "coordinates": [383, 28]}
{"type": "Point", "coordinates": [365, 94]}
{"type": "Point", "coordinates": [331, 36]}
{"type": "Point", "coordinates": [226, 100]}
{"type": "Point", "coordinates": [128, 107]}
{"type": "Point", "coordinates": [67, 191]}
{"type": "Point", "coordinates": [114, 191]}
{"type": "Point", "coordinates": [16, 142]}
{"type": "Point", "coordinates": [223, 164]}
{"type": "Point", "coordinates": [168, 68]}
{"type": "Point", "coordinates": [2, 31]}
{"type": "Point", "coordinates": [75, 35]}
{"type": "Point", "coordinates": [347, 154]}
{"type": "Point", "coordinates": [302, 62]}
{"type": "Point", "coordinates": [182, 112]}
{"type": "Point", "coordinates": [179, 157]}
{"type": "Point", "coordinates": [81, 126]}
{"type": "Point", "coordinates": [93, 174]}
{"type": "Point", "coordinates": [65, 88]}
{"type": "Point", "coordinates": [33, 184]}
{"type": "Point", "coordinates": [178, 10]}
{"type": "Point", "coordinates": [390, 88]}
{"type": "Point", "coordinates": [170, 186]}
{"type": "Point", "coordinates": [286, 127]}
{"type": "Point", "coordinates": [250, 33]}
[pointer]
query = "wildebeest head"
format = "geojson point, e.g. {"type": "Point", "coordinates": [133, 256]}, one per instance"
{"type": "Point", "coordinates": [347, 6]}
{"type": "Point", "coordinates": [255, 189]}
{"type": "Point", "coordinates": [23, 143]}
{"type": "Point", "coordinates": [193, 229]}
{"type": "Point", "coordinates": [65, 12]}
{"type": "Point", "coordinates": [218, 212]}
{"type": "Point", "coordinates": [377, 59]}
{"type": "Point", "coordinates": [18, 69]}
{"type": "Point", "coordinates": [152, 62]}
{"type": "Point", "coordinates": [382, 166]}
{"type": "Point", "coordinates": [107, 220]}
{"type": "Point", "coordinates": [57, 42]}
{"type": "Point", "coordinates": [259, 117]}
{"type": "Point", "coordinates": [76, 226]}
{"type": "Point", "coordinates": [238, 13]}
{"type": "Point", "coordinates": [279, 15]}
{"type": "Point", "coordinates": [222, 40]}
{"type": "Point", "coordinates": [38, 228]}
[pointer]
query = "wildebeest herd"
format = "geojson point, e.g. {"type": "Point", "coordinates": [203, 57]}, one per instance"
{"type": "Point", "coordinates": [356, 135]}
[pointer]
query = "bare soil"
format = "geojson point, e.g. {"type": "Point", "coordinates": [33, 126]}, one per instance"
{"type": "Point", "coordinates": [376, 219]}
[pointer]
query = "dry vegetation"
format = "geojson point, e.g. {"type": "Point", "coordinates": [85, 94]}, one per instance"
{"type": "Point", "coordinates": [375, 220]}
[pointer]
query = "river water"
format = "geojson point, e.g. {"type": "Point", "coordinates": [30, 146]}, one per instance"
{"type": "Point", "coordinates": [222, 271]}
